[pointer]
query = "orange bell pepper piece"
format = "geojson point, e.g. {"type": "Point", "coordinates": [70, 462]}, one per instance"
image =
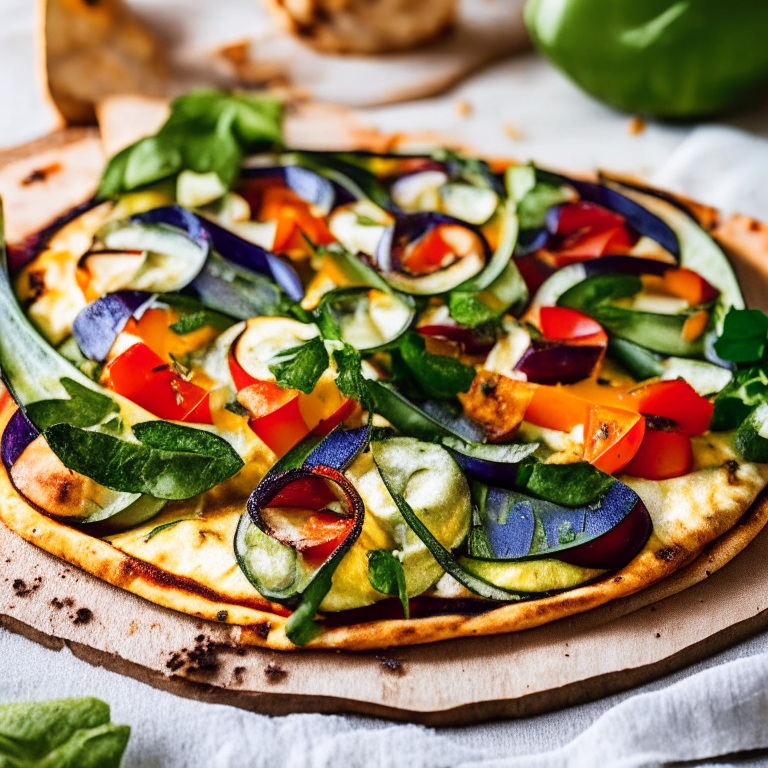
{"type": "Point", "coordinates": [689, 285]}
{"type": "Point", "coordinates": [612, 436]}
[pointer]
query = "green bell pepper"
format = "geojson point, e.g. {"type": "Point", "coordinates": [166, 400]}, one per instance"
{"type": "Point", "coordinates": [669, 58]}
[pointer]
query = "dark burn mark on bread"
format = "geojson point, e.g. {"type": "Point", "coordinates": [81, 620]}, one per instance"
{"type": "Point", "coordinates": [261, 629]}
{"type": "Point", "coordinates": [67, 602]}
{"type": "Point", "coordinates": [133, 568]}
{"type": "Point", "coordinates": [40, 174]}
{"type": "Point", "coordinates": [667, 554]}
{"type": "Point", "coordinates": [732, 467]}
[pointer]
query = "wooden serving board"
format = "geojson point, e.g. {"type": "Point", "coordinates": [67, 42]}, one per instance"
{"type": "Point", "coordinates": [621, 645]}
{"type": "Point", "coordinates": [713, 602]}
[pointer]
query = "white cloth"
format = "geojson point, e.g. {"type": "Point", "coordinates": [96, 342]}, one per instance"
{"type": "Point", "coordinates": [716, 708]}
{"type": "Point", "coordinates": [724, 167]}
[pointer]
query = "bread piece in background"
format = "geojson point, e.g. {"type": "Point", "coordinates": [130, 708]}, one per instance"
{"type": "Point", "coordinates": [93, 48]}
{"type": "Point", "coordinates": [365, 26]}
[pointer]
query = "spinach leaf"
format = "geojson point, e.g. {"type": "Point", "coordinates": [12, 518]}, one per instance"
{"type": "Point", "coordinates": [60, 734]}
{"type": "Point", "coordinates": [302, 366]}
{"type": "Point", "coordinates": [85, 408]}
{"type": "Point", "coordinates": [744, 336]}
{"type": "Point", "coordinates": [386, 575]}
{"type": "Point", "coordinates": [170, 461]}
{"type": "Point", "coordinates": [438, 376]}
{"type": "Point", "coordinates": [572, 485]}
{"type": "Point", "coordinates": [207, 131]}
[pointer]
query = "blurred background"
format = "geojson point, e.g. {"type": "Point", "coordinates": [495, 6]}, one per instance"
{"type": "Point", "coordinates": [608, 84]}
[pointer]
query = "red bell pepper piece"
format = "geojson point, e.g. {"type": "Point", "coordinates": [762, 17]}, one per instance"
{"type": "Point", "coordinates": [662, 455]}
{"type": "Point", "coordinates": [676, 400]}
{"type": "Point", "coordinates": [564, 324]}
{"type": "Point", "coordinates": [275, 415]}
{"type": "Point", "coordinates": [577, 217]}
{"type": "Point", "coordinates": [588, 231]}
{"type": "Point", "coordinates": [427, 254]}
{"type": "Point", "coordinates": [144, 378]}
{"type": "Point", "coordinates": [305, 492]}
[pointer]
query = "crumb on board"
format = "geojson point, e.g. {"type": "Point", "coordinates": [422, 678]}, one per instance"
{"type": "Point", "coordinates": [463, 108]}
{"type": "Point", "coordinates": [636, 126]}
{"type": "Point", "coordinates": [513, 132]}
{"type": "Point", "coordinates": [274, 672]}
{"type": "Point", "coordinates": [391, 665]}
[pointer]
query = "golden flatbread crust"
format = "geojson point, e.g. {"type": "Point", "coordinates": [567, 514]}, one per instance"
{"type": "Point", "coordinates": [714, 504]}
{"type": "Point", "coordinates": [701, 522]}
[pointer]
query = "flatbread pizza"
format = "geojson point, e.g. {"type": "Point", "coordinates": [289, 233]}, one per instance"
{"type": "Point", "coordinates": [354, 400]}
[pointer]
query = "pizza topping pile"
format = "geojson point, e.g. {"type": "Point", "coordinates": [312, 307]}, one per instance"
{"type": "Point", "coordinates": [447, 362]}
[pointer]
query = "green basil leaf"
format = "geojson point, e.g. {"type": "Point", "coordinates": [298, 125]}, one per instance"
{"type": "Point", "coordinates": [438, 376]}
{"type": "Point", "coordinates": [207, 130]}
{"type": "Point", "coordinates": [747, 389]}
{"type": "Point", "coordinates": [350, 380]}
{"type": "Point", "coordinates": [164, 527]}
{"type": "Point", "coordinates": [60, 734]}
{"type": "Point", "coordinates": [170, 461]}
{"type": "Point", "coordinates": [386, 575]}
{"type": "Point", "coordinates": [85, 408]}
{"type": "Point", "coordinates": [532, 208]}
{"type": "Point", "coordinates": [302, 366]}
{"type": "Point", "coordinates": [744, 336]}
{"type": "Point", "coordinates": [201, 319]}
{"type": "Point", "coordinates": [570, 485]}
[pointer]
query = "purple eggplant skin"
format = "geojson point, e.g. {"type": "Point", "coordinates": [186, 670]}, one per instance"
{"type": "Point", "coordinates": [22, 254]}
{"type": "Point", "coordinates": [613, 531]}
{"type": "Point", "coordinates": [531, 240]}
{"type": "Point", "coordinates": [627, 264]}
{"type": "Point", "coordinates": [19, 432]}
{"type": "Point", "coordinates": [99, 323]}
{"type": "Point", "coordinates": [493, 473]}
{"type": "Point", "coordinates": [228, 245]}
{"type": "Point", "coordinates": [254, 257]}
{"type": "Point", "coordinates": [408, 228]}
{"type": "Point", "coordinates": [640, 219]}
{"type": "Point", "coordinates": [339, 449]}
{"type": "Point", "coordinates": [616, 547]}
{"type": "Point", "coordinates": [550, 361]}
{"type": "Point", "coordinates": [308, 185]}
